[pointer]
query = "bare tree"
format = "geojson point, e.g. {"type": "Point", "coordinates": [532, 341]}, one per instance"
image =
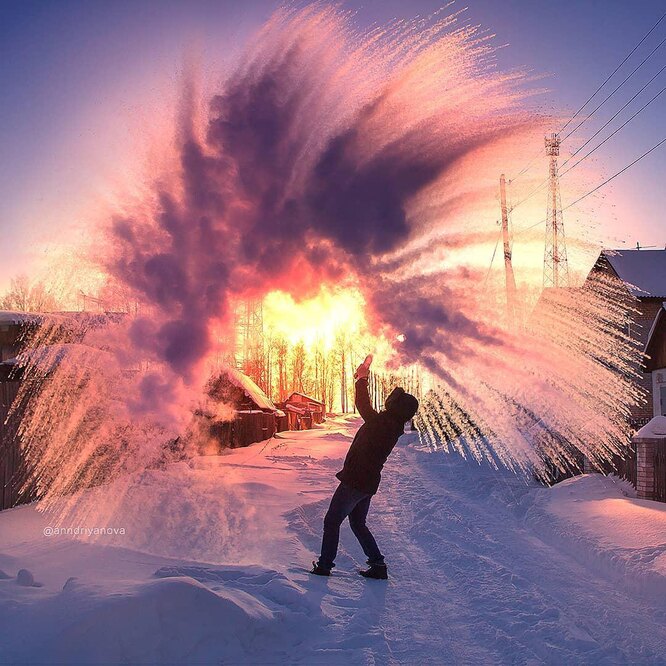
{"type": "Point", "coordinates": [26, 296]}
{"type": "Point", "coordinates": [281, 350]}
{"type": "Point", "coordinates": [344, 362]}
{"type": "Point", "coordinates": [298, 368]}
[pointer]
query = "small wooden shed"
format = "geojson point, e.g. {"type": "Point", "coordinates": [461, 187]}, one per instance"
{"type": "Point", "coordinates": [15, 329]}
{"type": "Point", "coordinates": [303, 411]}
{"type": "Point", "coordinates": [255, 417]}
{"type": "Point", "coordinates": [13, 470]}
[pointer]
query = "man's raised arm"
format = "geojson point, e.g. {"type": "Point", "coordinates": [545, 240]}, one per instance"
{"type": "Point", "coordinates": [363, 404]}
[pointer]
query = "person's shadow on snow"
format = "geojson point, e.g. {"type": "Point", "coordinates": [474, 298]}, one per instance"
{"type": "Point", "coordinates": [374, 597]}
{"type": "Point", "coordinates": [345, 587]}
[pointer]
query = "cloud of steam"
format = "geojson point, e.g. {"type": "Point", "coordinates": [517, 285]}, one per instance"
{"type": "Point", "coordinates": [333, 156]}
{"type": "Point", "coordinates": [312, 154]}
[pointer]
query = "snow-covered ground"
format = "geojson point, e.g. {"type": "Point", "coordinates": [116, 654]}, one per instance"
{"type": "Point", "coordinates": [211, 568]}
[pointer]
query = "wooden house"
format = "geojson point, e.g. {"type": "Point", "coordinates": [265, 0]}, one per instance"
{"type": "Point", "coordinates": [15, 329]}
{"type": "Point", "coordinates": [254, 416]}
{"type": "Point", "coordinates": [641, 278]}
{"type": "Point", "coordinates": [642, 274]}
{"type": "Point", "coordinates": [303, 411]}
{"type": "Point", "coordinates": [12, 469]}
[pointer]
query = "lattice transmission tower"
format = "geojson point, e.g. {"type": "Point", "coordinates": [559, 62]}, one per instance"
{"type": "Point", "coordinates": [249, 352]}
{"type": "Point", "coordinates": [555, 264]}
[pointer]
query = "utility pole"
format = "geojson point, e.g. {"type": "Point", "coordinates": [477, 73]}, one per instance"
{"type": "Point", "coordinates": [555, 264]}
{"type": "Point", "coordinates": [508, 267]}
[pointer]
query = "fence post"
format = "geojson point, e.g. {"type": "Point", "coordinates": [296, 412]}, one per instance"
{"type": "Point", "coordinates": [647, 439]}
{"type": "Point", "coordinates": [645, 449]}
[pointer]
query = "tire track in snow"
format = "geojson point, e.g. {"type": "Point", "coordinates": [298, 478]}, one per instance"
{"type": "Point", "coordinates": [526, 602]}
{"type": "Point", "coordinates": [469, 581]}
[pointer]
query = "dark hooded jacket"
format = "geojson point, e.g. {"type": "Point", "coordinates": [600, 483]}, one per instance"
{"type": "Point", "coordinates": [376, 438]}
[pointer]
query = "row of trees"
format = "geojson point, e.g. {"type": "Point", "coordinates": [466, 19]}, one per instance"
{"type": "Point", "coordinates": [25, 295]}
{"type": "Point", "coordinates": [324, 373]}
{"type": "Point", "coordinates": [32, 295]}
{"type": "Point", "coordinates": [279, 367]}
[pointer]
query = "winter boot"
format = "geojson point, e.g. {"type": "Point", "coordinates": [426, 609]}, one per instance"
{"type": "Point", "coordinates": [319, 570]}
{"type": "Point", "coordinates": [378, 571]}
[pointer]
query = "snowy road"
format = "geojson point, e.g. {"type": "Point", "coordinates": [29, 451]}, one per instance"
{"type": "Point", "coordinates": [470, 583]}
{"type": "Point", "coordinates": [476, 575]}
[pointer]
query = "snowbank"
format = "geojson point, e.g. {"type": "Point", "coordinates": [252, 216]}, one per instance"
{"type": "Point", "coordinates": [211, 567]}
{"type": "Point", "coordinates": [182, 576]}
{"type": "Point", "coordinates": [599, 521]}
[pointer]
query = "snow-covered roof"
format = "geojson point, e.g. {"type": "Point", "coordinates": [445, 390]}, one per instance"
{"type": "Point", "coordinates": [89, 319]}
{"type": "Point", "coordinates": [656, 428]}
{"type": "Point", "coordinates": [307, 397]}
{"type": "Point", "coordinates": [644, 271]}
{"type": "Point", "coordinates": [294, 409]}
{"type": "Point", "coordinates": [9, 317]}
{"type": "Point", "coordinates": [251, 390]}
{"type": "Point", "coordinates": [46, 358]}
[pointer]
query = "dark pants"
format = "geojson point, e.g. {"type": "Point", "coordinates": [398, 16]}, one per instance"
{"type": "Point", "coordinates": [348, 501]}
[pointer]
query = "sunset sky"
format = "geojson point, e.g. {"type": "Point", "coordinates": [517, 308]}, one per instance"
{"type": "Point", "coordinates": [87, 88]}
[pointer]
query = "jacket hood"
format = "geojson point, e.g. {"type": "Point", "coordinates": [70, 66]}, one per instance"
{"type": "Point", "coordinates": [403, 406]}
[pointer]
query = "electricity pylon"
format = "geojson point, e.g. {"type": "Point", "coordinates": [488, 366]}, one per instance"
{"type": "Point", "coordinates": [555, 264]}
{"type": "Point", "coordinates": [250, 339]}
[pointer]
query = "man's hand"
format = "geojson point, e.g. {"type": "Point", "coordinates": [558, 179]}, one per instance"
{"type": "Point", "coordinates": [362, 372]}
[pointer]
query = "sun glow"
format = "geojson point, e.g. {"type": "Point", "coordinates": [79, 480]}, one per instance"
{"type": "Point", "coordinates": [318, 321]}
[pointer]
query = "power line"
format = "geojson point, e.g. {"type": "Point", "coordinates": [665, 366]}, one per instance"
{"type": "Point", "coordinates": [612, 134]}
{"type": "Point", "coordinates": [594, 94]}
{"type": "Point", "coordinates": [531, 194]}
{"type": "Point", "coordinates": [589, 99]}
{"type": "Point", "coordinates": [493, 257]}
{"type": "Point", "coordinates": [598, 187]}
{"type": "Point", "coordinates": [526, 168]}
{"type": "Point", "coordinates": [582, 122]}
{"type": "Point", "coordinates": [544, 182]}
{"type": "Point", "coordinates": [603, 127]}
{"type": "Point", "coordinates": [608, 180]}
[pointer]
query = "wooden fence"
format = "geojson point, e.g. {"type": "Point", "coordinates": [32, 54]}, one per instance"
{"type": "Point", "coordinates": [624, 465]}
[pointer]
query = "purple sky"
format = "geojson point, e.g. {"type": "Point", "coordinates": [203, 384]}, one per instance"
{"type": "Point", "coordinates": [81, 84]}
